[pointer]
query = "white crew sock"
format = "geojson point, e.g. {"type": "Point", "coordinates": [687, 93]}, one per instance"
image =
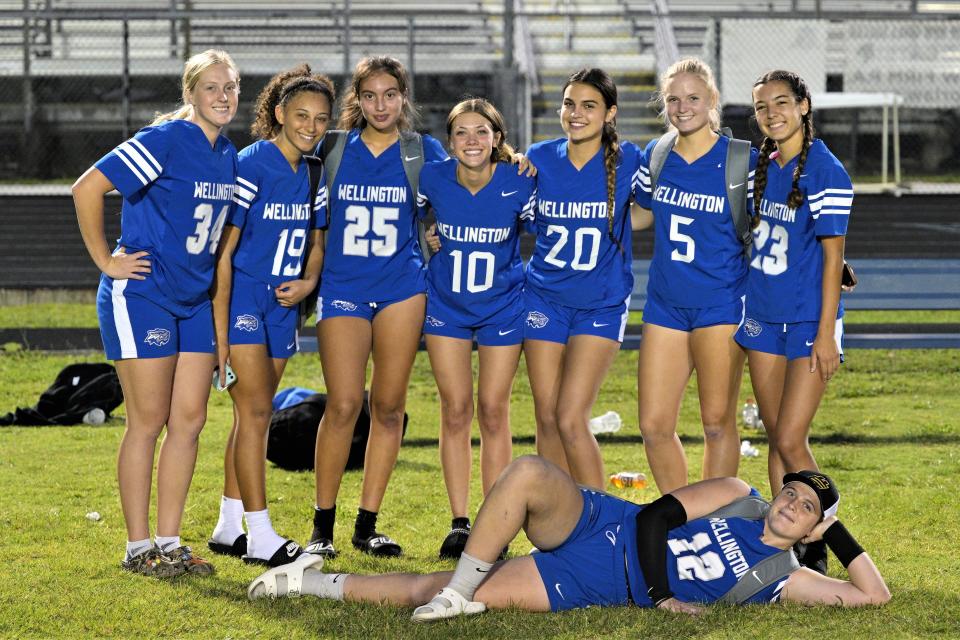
{"type": "Point", "coordinates": [323, 585]}
{"type": "Point", "coordinates": [136, 547]}
{"type": "Point", "coordinates": [167, 543]}
{"type": "Point", "coordinates": [262, 540]}
{"type": "Point", "coordinates": [230, 524]}
{"type": "Point", "coordinates": [468, 575]}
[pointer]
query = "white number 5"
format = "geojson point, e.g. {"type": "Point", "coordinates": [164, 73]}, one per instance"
{"type": "Point", "coordinates": [675, 235]}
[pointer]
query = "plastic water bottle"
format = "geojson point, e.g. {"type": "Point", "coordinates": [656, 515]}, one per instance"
{"type": "Point", "coordinates": [95, 416]}
{"type": "Point", "coordinates": [747, 450]}
{"type": "Point", "coordinates": [751, 415]}
{"type": "Point", "coordinates": [628, 479]}
{"type": "Point", "coordinates": [609, 422]}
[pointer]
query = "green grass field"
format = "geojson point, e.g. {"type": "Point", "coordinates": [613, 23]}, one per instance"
{"type": "Point", "coordinates": [887, 431]}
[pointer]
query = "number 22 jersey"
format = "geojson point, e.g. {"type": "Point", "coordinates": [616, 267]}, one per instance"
{"type": "Point", "coordinates": [177, 192]}
{"type": "Point", "coordinates": [372, 246]}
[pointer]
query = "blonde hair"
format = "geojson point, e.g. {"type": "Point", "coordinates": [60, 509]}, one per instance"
{"type": "Point", "coordinates": [695, 67]}
{"type": "Point", "coordinates": [192, 69]}
{"type": "Point", "coordinates": [351, 116]}
{"type": "Point", "coordinates": [503, 152]}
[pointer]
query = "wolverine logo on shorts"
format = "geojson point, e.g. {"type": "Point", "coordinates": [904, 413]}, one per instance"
{"type": "Point", "coordinates": [537, 320]}
{"type": "Point", "coordinates": [434, 322]}
{"type": "Point", "coordinates": [246, 322]}
{"type": "Point", "coordinates": [344, 305]}
{"type": "Point", "coordinates": [157, 337]}
{"type": "Point", "coordinates": [752, 327]}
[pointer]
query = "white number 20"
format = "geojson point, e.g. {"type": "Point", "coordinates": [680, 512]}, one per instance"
{"type": "Point", "coordinates": [579, 238]}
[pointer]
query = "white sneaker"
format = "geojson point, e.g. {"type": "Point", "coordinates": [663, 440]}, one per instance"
{"type": "Point", "coordinates": [447, 604]}
{"type": "Point", "coordinates": [266, 584]}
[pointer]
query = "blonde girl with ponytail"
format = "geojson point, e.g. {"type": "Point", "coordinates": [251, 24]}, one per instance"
{"type": "Point", "coordinates": [177, 180]}
{"type": "Point", "coordinates": [696, 285]}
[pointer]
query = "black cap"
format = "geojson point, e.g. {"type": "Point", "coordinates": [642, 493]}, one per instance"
{"type": "Point", "coordinates": [822, 485]}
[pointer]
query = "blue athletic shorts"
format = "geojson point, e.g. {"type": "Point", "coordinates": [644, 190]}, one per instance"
{"type": "Point", "coordinates": [335, 307]}
{"type": "Point", "coordinates": [657, 312]}
{"type": "Point", "coordinates": [793, 339]}
{"type": "Point", "coordinates": [257, 318]}
{"type": "Point", "coordinates": [557, 323]}
{"type": "Point", "coordinates": [501, 329]}
{"type": "Point", "coordinates": [588, 568]}
{"type": "Point", "coordinates": [135, 325]}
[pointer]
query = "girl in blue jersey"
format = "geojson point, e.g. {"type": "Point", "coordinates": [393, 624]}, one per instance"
{"type": "Point", "coordinates": [269, 260]}
{"type": "Point", "coordinates": [794, 322]}
{"type": "Point", "coordinates": [177, 179]}
{"type": "Point", "coordinates": [474, 288]}
{"type": "Point", "coordinates": [579, 279]}
{"type": "Point", "coordinates": [697, 279]}
{"type": "Point", "coordinates": [600, 550]}
{"type": "Point", "coordinates": [371, 296]}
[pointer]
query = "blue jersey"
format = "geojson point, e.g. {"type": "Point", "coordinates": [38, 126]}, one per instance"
{"type": "Point", "coordinates": [786, 272]}
{"type": "Point", "coordinates": [705, 559]}
{"type": "Point", "coordinates": [575, 263]}
{"type": "Point", "coordinates": [372, 245]}
{"type": "Point", "coordinates": [698, 260]}
{"type": "Point", "coordinates": [273, 213]}
{"type": "Point", "coordinates": [478, 271]}
{"type": "Point", "coordinates": [177, 191]}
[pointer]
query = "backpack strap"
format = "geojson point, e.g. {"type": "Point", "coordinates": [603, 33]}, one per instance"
{"type": "Point", "coordinates": [411, 148]}
{"type": "Point", "coordinates": [766, 572]}
{"type": "Point", "coordinates": [761, 575]}
{"type": "Point", "coordinates": [308, 306]}
{"type": "Point", "coordinates": [658, 157]}
{"type": "Point", "coordinates": [738, 175]}
{"type": "Point", "coordinates": [331, 153]}
{"type": "Point", "coordinates": [747, 507]}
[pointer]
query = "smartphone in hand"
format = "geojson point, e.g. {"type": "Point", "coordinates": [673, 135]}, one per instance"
{"type": "Point", "coordinates": [230, 378]}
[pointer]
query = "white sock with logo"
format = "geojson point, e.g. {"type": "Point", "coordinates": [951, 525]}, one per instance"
{"type": "Point", "coordinates": [323, 585]}
{"type": "Point", "coordinates": [167, 543]}
{"type": "Point", "coordinates": [262, 540]}
{"type": "Point", "coordinates": [136, 547]}
{"type": "Point", "coordinates": [230, 524]}
{"type": "Point", "coordinates": [468, 575]}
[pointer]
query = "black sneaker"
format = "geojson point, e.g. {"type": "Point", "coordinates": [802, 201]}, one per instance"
{"type": "Point", "coordinates": [377, 544]}
{"type": "Point", "coordinates": [321, 547]}
{"type": "Point", "coordinates": [454, 543]}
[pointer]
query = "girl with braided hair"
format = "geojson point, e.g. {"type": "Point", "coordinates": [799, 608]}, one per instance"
{"type": "Point", "coordinates": [269, 260]}
{"type": "Point", "coordinates": [579, 279]}
{"type": "Point", "coordinates": [697, 280]}
{"type": "Point", "coordinates": [793, 326]}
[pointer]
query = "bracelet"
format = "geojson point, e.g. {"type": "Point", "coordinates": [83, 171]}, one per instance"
{"type": "Point", "coordinates": [658, 598]}
{"type": "Point", "coordinates": [842, 543]}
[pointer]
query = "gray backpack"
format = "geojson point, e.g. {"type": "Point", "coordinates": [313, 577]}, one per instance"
{"type": "Point", "coordinates": [737, 173]}
{"type": "Point", "coordinates": [764, 573]}
{"type": "Point", "coordinates": [411, 150]}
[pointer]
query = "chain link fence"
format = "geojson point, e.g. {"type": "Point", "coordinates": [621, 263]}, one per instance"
{"type": "Point", "coordinates": [77, 78]}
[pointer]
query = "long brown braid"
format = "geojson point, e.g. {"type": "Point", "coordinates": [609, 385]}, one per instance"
{"type": "Point", "coordinates": [603, 83]}
{"type": "Point", "coordinates": [800, 93]}
{"type": "Point", "coordinates": [279, 90]}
